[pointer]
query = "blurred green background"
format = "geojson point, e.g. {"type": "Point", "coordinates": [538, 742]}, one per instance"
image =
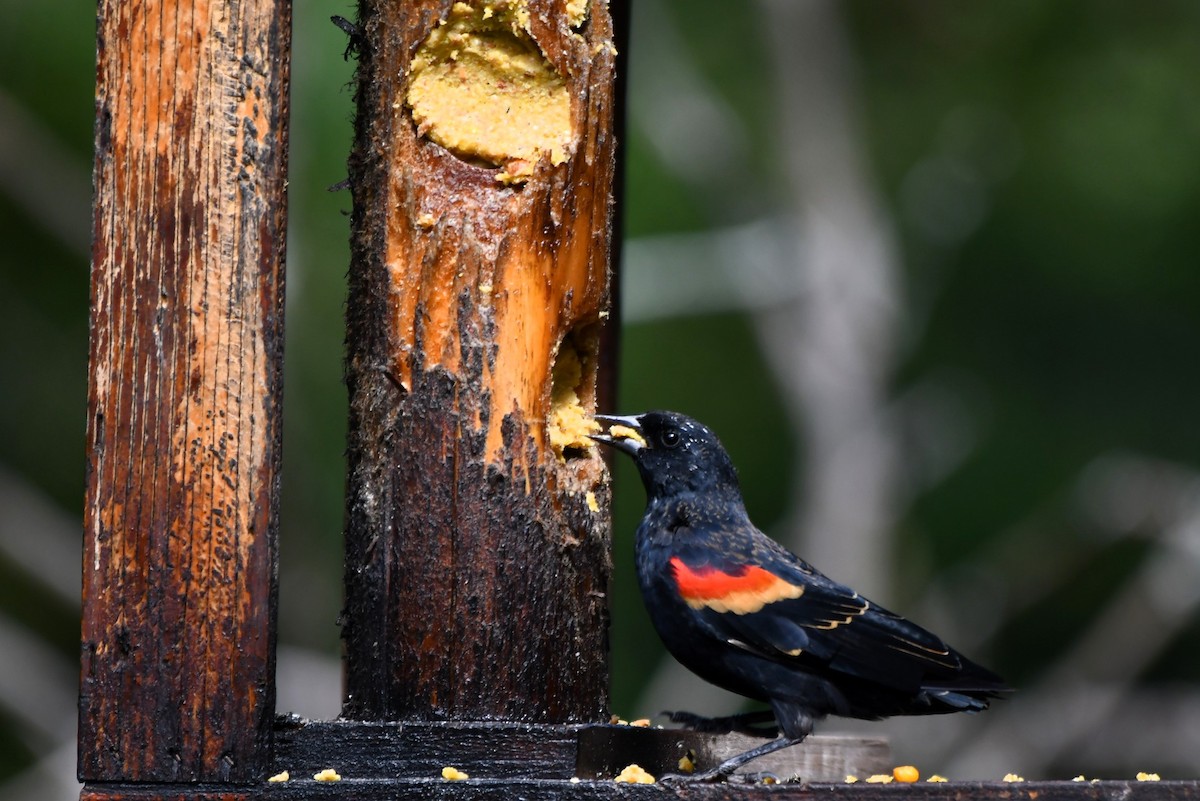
{"type": "Point", "coordinates": [930, 269]}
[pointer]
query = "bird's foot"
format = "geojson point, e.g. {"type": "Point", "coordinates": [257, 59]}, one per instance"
{"type": "Point", "coordinates": [717, 775]}
{"type": "Point", "coordinates": [748, 723]}
{"type": "Point", "coordinates": [707, 777]}
{"type": "Point", "coordinates": [726, 769]}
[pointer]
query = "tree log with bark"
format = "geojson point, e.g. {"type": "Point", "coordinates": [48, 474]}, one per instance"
{"type": "Point", "coordinates": [477, 510]}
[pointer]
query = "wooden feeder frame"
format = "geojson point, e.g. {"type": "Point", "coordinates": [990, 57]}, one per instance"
{"type": "Point", "coordinates": [486, 651]}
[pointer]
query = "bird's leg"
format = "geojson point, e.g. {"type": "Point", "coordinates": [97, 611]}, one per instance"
{"type": "Point", "coordinates": [793, 718]}
{"type": "Point", "coordinates": [725, 769]}
{"type": "Point", "coordinates": [748, 723]}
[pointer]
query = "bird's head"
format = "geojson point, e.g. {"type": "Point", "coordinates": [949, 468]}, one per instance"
{"type": "Point", "coordinates": [674, 453]}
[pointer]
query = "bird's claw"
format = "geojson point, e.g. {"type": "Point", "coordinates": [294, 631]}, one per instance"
{"type": "Point", "coordinates": [716, 775]}
{"type": "Point", "coordinates": [677, 779]}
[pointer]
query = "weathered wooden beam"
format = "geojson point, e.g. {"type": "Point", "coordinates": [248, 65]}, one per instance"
{"type": "Point", "coordinates": [532, 790]}
{"type": "Point", "coordinates": [183, 439]}
{"type": "Point", "coordinates": [487, 751]}
{"type": "Point", "coordinates": [379, 750]}
{"type": "Point", "coordinates": [477, 514]}
{"type": "Point", "coordinates": [438, 790]}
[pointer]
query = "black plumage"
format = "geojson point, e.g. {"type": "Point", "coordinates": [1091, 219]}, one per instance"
{"type": "Point", "coordinates": [744, 613]}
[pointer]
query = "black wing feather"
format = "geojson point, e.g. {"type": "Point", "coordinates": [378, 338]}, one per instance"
{"type": "Point", "coordinates": [832, 628]}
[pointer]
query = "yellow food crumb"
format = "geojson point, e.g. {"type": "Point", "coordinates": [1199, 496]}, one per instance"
{"type": "Point", "coordinates": [1148, 777]}
{"type": "Point", "coordinates": [281, 776]}
{"type": "Point", "coordinates": [426, 220]}
{"type": "Point", "coordinates": [633, 774]}
{"type": "Point", "coordinates": [851, 778]}
{"type": "Point", "coordinates": [905, 773]}
{"type": "Point", "coordinates": [592, 503]}
{"type": "Point", "coordinates": [327, 775]}
{"type": "Point", "coordinates": [601, 47]}
{"type": "Point", "coordinates": [625, 432]}
{"type": "Point", "coordinates": [641, 723]}
{"type": "Point", "coordinates": [451, 774]}
{"type": "Point", "coordinates": [1080, 778]}
{"type": "Point", "coordinates": [880, 778]}
{"type": "Point", "coordinates": [687, 762]}
{"type": "Point", "coordinates": [936, 778]}
{"type": "Point", "coordinates": [1012, 777]}
{"type": "Point", "coordinates": [769, 779]}
{"type": "Point", "coordinates": [515, 172]}
{"type": "Point", "coordinates": [577, 11]}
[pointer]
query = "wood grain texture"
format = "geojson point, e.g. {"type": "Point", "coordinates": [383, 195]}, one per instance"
{"type": "Point", "coordinates": [477, 571]}
{"type": "Point", "coordinates": [378, 750]}
{"type": "Point", "coordinates": [436, 789]}
{"type": "Point", "coordinates": [183, 438]}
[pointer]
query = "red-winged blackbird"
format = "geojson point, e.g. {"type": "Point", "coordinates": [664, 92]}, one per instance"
{"type": "Point", "coordinates": [744, 613]}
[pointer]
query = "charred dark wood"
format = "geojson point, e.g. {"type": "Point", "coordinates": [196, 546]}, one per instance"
{"type": "Point", "coordinates": [505, 750]}
{"type": "Point", "coordinates": [548, 790]}
{"type": "Point", "coordinates": [437, 790]}
{"type": "Point", "coordinates": [366, 750]}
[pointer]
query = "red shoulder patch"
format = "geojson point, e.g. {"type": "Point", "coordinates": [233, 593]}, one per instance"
{"type": "Point", "coordinates": [747, 589]}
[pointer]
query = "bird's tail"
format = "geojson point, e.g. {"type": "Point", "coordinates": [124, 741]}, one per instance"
{"type": "Point", "coordinates": [971, 691]}
{"type": "Point", "coordinates": [962, 700]}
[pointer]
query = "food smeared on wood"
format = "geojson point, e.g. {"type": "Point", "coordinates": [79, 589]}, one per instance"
{"type": "Point", "coordinates": [569, 425]}
{"type": "Point", "coordinates": [480, 87]}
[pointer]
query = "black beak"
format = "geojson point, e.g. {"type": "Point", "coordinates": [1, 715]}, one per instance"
{"type": "Point", "coordinates": [622, 433]}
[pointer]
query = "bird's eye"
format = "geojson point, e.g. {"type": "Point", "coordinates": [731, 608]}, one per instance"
{"type": "Point", "coordinates": [669, 438]}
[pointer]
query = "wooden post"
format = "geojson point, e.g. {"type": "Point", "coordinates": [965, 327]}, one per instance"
{"type": "Point", "coordinates": [183, 438]}
{"type": "Point", "coordinates": [477, 514]}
